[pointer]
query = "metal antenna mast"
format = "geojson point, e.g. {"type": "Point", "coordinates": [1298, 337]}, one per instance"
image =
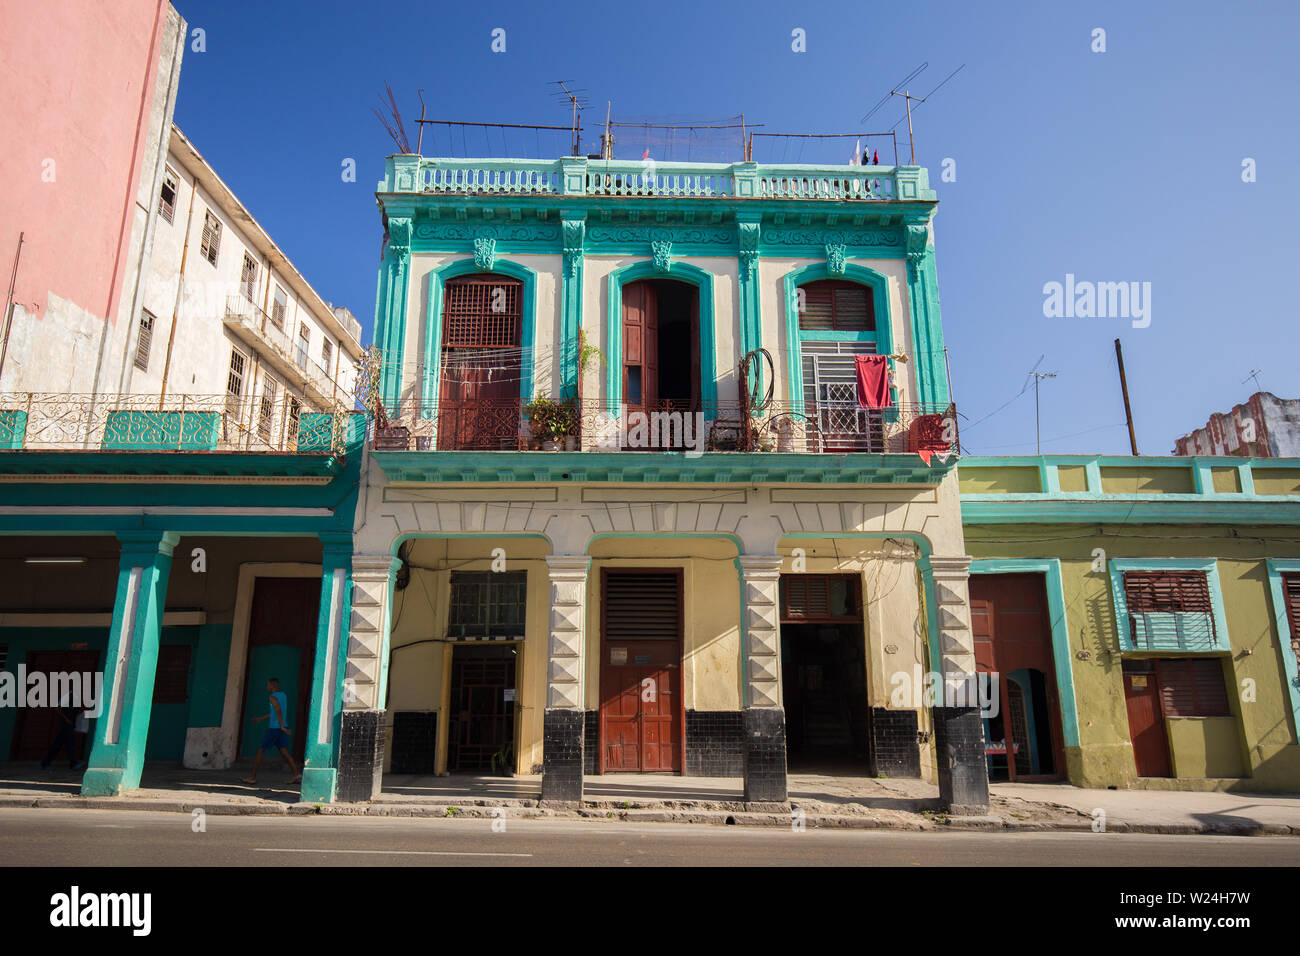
{"type": "Point", "coordinates": [1038, 376]}
{"type": "Point", "coordinates": [577, 101]}
{"type": "Point", "coordinates": [1254, 373]}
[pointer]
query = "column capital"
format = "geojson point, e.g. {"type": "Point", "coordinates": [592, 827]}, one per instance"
{"type": "Point", "coordinates": [568, 564]}
{"type": "Point", "coordinates": [950, 565]}
{"type": "Point", "coordinates": [756, 565]}
{"type": "Point", "coordinates": [147, 543]}
{"type": "Point", "coordinates": [375, 565]}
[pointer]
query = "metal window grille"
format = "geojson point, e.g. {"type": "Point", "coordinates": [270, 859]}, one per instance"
{"type": "Point", "coordinates": [830, 394]}
{"type": "Point", "coordinates": [211, 244]}
{"type": "Point", "coordinates": [144, 341]}
{"type": "Point", "coordinates": [487, 604]}
{"type": "Point", "coordinates": [482, 312]}
{"type": "Point", "coordinates": [1170, 609]}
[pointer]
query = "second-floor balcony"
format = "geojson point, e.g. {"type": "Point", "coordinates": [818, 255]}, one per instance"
{"type": "Point", "coordinates": [285, 353]}
{"type": "Point", "coordinates": [592, 426]}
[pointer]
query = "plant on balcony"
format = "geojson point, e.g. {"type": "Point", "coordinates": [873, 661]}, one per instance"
{"type": "Point", "coordinates": [552, 419]}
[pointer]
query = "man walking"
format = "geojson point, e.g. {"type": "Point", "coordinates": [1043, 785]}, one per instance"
{"type": "Point", "coordinates": [277, 734]}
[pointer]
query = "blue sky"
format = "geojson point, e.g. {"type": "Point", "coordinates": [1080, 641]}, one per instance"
{"type": "Point", "coordinates": [1117, 166]}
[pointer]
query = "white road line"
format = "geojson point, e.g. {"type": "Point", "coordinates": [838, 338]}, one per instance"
{"type": "Point", "coordinates": [273, 849]}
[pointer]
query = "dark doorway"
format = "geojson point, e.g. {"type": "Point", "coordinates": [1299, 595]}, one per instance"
{"type": "Point", "coordinates": [1013, 641]}
{"type": "Point", "coordinates": [661, 346]}
{"type": "Point", "coordinates": [824, 672]}
{"type": "Point", "coordinates": [36, 727]}
{"type": "Point", "coordinates": [641, 720]}
{"type": "Point", "coordinates": [281, 644]}
{"type": "Point", "coordinates": [481, 734]}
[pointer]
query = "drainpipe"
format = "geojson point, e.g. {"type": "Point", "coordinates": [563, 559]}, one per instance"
{"type": "Point", "coordinates": [180, 291]}
{"type": "Point", "coordinates": [9, 301]}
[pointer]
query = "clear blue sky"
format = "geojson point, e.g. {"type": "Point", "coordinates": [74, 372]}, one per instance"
{"type": "Point", "coordinates": [1116, 166]}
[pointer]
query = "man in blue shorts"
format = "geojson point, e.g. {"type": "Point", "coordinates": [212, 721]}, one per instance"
{"type": "Point", "coordinates": [277, 734]}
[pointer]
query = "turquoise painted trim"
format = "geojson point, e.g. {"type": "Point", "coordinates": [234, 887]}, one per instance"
{"type": "Point", "coordinates": [320, 764]}
{"type": "Point", "coordinates": [1062, 658]}
{"type": "Point", "coordinates": [927, 332]}
{"type": "Point", "coordinates": [810, 335]}
{"type": "Point", "coordinates": [1282, 629]}
{"type": "Point", "coordinates": [1211, 568]}
{"type": "Point", "coordinates": [392, 334]}
{"type": "Point", "coordinates": [122, 729]}
{"type": "Point", "coordinates": [437, 280]}
{"type": "Point", "coordinates": [931, 614]}
{"type": "Point", "coordinates": [794, 337]}
{"type": "Point", "coordinates": [13, 427]}
{"type": "Point", "coordinates": [134, 430]}
{"type": "Point", "coordinates": [570, 327]}
{"type": "Point", "coordinates": [681, 272]}
{"type": "Point", "coordinates": [1082, 510]}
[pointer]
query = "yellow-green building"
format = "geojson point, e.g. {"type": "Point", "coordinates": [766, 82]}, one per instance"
{"type": "Point", "coordinates": [1140, 612]}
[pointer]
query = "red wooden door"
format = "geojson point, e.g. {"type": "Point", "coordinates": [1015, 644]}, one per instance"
{"type": "Point", "coordinates": [641, 720]}
{"type": "Point", "coordinates": [1146, 724]}
{"type": "Point", "coordinates": [640, 346]}
{"type": "Point", "coordinates": [479, 403]}
{"type": "Point", "coordinates": [35, 727]}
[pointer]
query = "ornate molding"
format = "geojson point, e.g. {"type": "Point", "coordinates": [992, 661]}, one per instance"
{"type": "Point", "coordinates": [399, 238]}
{"type": "Point", "coordinates": [835, 259]}
{"type": "Point", "coordinates": [822, 237]}
{"type": "Point", "coordinates": [631, 234]}
{"type": "Point", "coordinates": [574, 233]}
{"type": "Point", "coordinates": [485, 252]}
{"type": "Point", "coordinates": [466, 232]}
{"type": "Point", "coordinates": [915, 239]}
{"type": "Point", "coordinates": [748, 235]}
{"type": "Point", "coordinates": [661, 250]}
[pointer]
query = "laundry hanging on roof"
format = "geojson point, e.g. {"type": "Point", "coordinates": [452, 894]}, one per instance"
{"type": "Point", "coordinates": [873, 381]}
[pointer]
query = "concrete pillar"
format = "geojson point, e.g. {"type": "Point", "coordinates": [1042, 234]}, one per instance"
{"type": "Point", "coordinates": [958, 730]}
{"type": "Point", "coordinates": [764, 724]}
{"type": "Point", "coordinates": [361, 730]}
{"type": "Point", "coordinates": [324, 720]}
{"type": "Point", "coordinates": [117, 755]}
{"type": "Point", "coordinates": [563, 721]}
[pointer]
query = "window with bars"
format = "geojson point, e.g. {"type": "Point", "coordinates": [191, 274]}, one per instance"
{"type": "Point", "coordinates": [279, 307]}
{"type": "Point", "coordinates": [211, 244]}
{"type": "Point", "coordinates": [1192, 687]}
{"type": "Point", "coordinates": [487, 605]}
{"type": "Point", "coordinates": [819, 597]}
{"type": "Point", "coordinates": [830, 395]}
{"type": "Point", "coordinates": [266, 410]}
{"type": "Point", "coordinates": [248, 278]}
{"type": "Point", "coordinates": [1170, 609]}
{"type": "Point", "coordinates": [167, 196]}
{"type": "Point", "coordinates": [482, 311]}
{"type": "Point", "coordinates": [833, 305]}
{"type": "Point", "coordinates": [144, 340]}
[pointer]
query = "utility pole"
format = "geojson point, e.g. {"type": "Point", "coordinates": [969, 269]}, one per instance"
{"type": "Point", "coordinates": [1038, 376]}
{"type": "Point", "coordinates": [1128, 410]}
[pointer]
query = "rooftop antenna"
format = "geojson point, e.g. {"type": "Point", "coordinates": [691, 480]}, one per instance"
{"type": "Point", "coordinates": [419, 136]}
{"type": "Point", "coordinates": [1254, 373]}
{"type": "Point", "coordinates": [393, 122]}
{"type": "Point", "coordinates": [901, 89]}
{"type": "Point", "coordinates": [1037, 377]}
{"type": "Point", "coordinates": [607, 141]}
{"type": "Point", "coordinates": [577, 101]}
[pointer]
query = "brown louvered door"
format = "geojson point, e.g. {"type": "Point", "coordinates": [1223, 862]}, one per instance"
{"type": "Point", "coordinates": [641, 721]}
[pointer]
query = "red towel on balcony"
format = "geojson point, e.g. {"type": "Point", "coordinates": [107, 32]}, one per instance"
{"type": "Point", "coordinates": [873, 381]}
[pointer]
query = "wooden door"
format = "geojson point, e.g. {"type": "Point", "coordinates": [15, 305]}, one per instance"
{"type": "Point", "coordinates": [1146, 722]}
{"type": "Point", "coordinates": [36, 726]}
{"type": "Point", "coordinates": [640, 346]}
{"type": "Point", "coordinates": [641, 720]}
{"type": "Point", "coordinates": [479, 402]}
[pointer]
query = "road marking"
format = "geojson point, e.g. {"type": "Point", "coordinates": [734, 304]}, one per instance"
{"type": "Point", "coordinates": [273, 849]}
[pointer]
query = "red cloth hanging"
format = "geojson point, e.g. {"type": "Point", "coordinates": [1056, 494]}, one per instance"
{"type": "Point", "coordinates": [873, 381]}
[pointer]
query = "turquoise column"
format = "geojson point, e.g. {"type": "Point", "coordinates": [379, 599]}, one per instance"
{"type": "Point", "coordinates": [927, 329]}
{"type": "Point", "coordinates": [751, 323]}
{"type": "Point", "coordinates": [574, 232]}
{"type": "Point", "coordinates": [390, 322]}
{"type": "Point", "coordinates": [117, 755]}
{"type": "Point", "coordinates": [324, 719]}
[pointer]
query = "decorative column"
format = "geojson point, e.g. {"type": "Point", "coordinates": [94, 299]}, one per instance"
{"type": "Point", "coordinates": [764, 723]}
{"type": "Point", "coordinates": [748, 234]}
{"type": "Point", "coordinates": [574, 232]}
{"type": "Point", "coordinates": [117, 755]}
{"type": "Point", "coordinates": [958, 725]}
{"type": "Point", "coordinates": [324, 720]}
{"type": "Point", "coordinates": [361, 733]}
{"type": "Point", "coordinates": [565, 716]}
{"type": "Point", "coordinates": [390, 331]}
{"type": "Point", "coordinates": [923, 304]}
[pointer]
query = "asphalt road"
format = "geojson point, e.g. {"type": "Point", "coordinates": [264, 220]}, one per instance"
{"type": "Point", "coordinates": [45, 837]}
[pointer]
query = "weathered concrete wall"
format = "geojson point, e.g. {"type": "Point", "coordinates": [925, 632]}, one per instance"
{"type": "Point", "coordinates": [1265, 426]}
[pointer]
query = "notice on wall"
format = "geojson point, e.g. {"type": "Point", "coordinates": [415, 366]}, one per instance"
{"type": "Point", "coordinates": [508, 695]}
{"type": "Point", "coordinates": [618, 655]}
{"type": "Point", "coordinates": [1137, 681]}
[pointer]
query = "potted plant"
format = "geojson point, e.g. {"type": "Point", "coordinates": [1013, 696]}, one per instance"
{"type": "Point", "coordinates": [552, 421]}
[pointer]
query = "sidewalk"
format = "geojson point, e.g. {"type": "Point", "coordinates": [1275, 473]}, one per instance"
{"type": "Point", "coordinates": [816, 801]}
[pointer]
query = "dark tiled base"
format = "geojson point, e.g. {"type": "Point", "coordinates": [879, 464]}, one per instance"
{"type": "Point", "coordinates": [361, 755]}
{"type": "Point", "coordinates": [715, 743]}
{"type": "Point", "coordinates": [959, 747]}
{"type": "Point", "coordinates": [563, 732]}
{"type": "Point", "coordinates": [591, 743]}
{"type": "Point", "coordinates": [415, 742]}
{"type": "Point", "coordinates": [765, 776]}
{"type": "Point", "coordinates": [894, 749]}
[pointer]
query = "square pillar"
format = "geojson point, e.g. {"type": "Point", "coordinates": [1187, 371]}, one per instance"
{"type": "Point", "coordinates": [324, 719]}
{"type": "Point", "coordinates": [958, 730]}
{"type": "Point", "coordinates": [361, 725]}
{"type": "Point", "coordinates": [764, 723]}
{"type": "Point", "coordinates": [117, 755]}
{"type": "Point", "coordinates": [564, 719]}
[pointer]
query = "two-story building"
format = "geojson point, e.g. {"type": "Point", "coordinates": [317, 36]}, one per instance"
{"type": "Point", "coordinates": [661, 479]}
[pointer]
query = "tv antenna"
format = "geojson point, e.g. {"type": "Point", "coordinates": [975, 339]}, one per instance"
{"type": "Point", "coordinates": [1038, 377]}
{"type": "Point", "coordinates": [392, 123]}
{"type": "Point", "coordinates": [1254, 373]}
{"type": "Point", "coordinates": [578, 100]}
{"type": "Point", "coordinates": [902, 89]}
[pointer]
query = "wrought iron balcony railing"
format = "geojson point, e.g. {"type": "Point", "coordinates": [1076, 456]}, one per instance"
{"type": "Point", "coordinates": [50, 421]}
{"type": "Point", "coordinates": [579, 176]}
{"type": "Point", "coordinates": [549, 425]}
{"type": "Point", "coordinates": [286, 353]}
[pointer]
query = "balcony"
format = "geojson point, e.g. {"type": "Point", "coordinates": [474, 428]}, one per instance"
{"type": "Point", "coordinates": [47, 421]}
{"type": "Point", "coordinates": [280, 350]}
{"type": "Point", "coordinates": [592, 426]}
{"type": "Point", "coordinates": [625, 179]}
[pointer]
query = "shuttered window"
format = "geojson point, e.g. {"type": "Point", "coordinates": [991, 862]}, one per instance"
{"type": "Point", "coordinates": [1192, 688]}
{"type": "Point", "coordinates": [235, 380]}
{"type": "Point", "coordinates": [326, 354]}
{"type": "Point", "coordinates": [167, 196]}
{"type": "Point", "coordinates": [266, 413]}
{"type": "Point", "coordinates": [487, 605]}
{"type": "Point", "coordinates": [248, 278]}
{"type": "Point", "coordinates": [1170, 609]}
{"type": "Point", "coordinates": [818, 597]}
{"type": "Point", "coordinates": [1291, 594]}
{"type": "Point", "coordinates": [832, 305]}
{"type": "Point", "coordinates": [211, 244]}
{"type": "Point", "coordinates": [642, 606]}
{"type": "Point", "coordinates": [172, 677]}
{"type": "Point", "coordinates": [144, 341]}
{"type": "Point", "coordinates": [279, 306]}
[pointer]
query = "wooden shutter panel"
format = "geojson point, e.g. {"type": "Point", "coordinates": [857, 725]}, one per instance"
{"type": "Point", "coordinates": [1153, 594]}
{"type": "Point", "coordinates": [1291, 594]}
{"type": "Point", "coordinates": [835, 305]}
{"type": "Point", "coordinates": [1192, 688]}
{"type": "Point", "coordinates": [806, 596]}
{"type": "Point", "coordinates": [642, 606]}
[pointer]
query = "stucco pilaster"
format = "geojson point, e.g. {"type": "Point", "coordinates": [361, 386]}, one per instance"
{"type": "Point", "coordinates": [372, 578]}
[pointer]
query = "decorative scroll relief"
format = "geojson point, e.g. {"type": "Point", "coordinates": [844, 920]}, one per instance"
{"type": "Point", "coordinates": [748, 235]}
{"type": "Point", "coordinates": [835, 260]}
{"type": "Point", "coordinates": [661, 251]}
{"type": "Point", "coordinates": [574, 231]}
{"type": "Point", "coordinates": [466, 232]}
{"type": "Point", "coordinates": [399, 238]}
{"type": "Point", "coordinates": [485, 253]}
{"type": "Point", "coordinates": [915, 240]}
